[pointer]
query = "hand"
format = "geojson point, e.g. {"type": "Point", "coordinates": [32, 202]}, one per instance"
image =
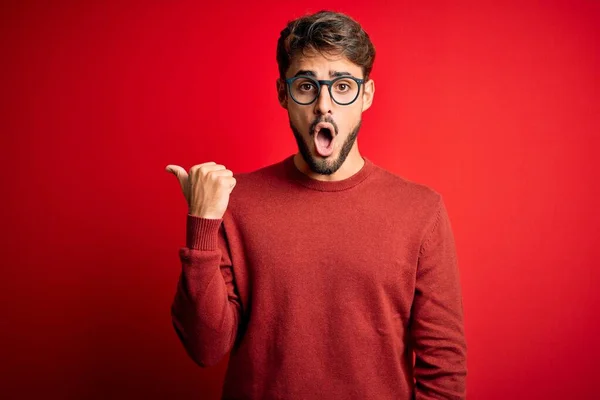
{"type": "Point", "coordinates": [206, 188]}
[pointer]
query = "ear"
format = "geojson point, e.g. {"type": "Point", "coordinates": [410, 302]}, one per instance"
{"type": "Point", "coordinates": [282, 93]}
{"type": "Point", "coordinates": [368, 93]}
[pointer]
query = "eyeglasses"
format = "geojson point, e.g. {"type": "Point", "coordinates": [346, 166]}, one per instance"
{"type": "Point", "coordinates": [305, 90]}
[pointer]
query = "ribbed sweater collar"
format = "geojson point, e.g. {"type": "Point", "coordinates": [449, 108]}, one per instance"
{"type": "Point", "coordinates": [327, 186]}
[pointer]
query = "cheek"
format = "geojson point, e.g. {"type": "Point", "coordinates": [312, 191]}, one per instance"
{"type": "Point", "coordinates": [349, 121]}
{"type": "Point", "coordinates": [298, 118]}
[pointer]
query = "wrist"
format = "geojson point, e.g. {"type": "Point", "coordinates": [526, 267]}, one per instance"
{"type": "Point", "coordinates": [204, 214]}
{"type": "Point", "coordinates": [202, 232]}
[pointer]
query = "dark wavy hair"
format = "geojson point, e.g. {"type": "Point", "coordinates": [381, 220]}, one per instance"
{"type": "Point", "coordinates": [325, 31]}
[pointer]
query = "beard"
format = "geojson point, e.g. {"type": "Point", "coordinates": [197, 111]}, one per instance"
{"type": "Point", "coordinates": [315, 162]}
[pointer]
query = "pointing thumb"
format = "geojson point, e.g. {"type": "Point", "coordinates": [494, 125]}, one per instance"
{"type": "Point", "coordinates": [180, 173]}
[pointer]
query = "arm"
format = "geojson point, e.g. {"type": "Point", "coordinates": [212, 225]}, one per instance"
{"type": "Point", "coordinates": [206, 308]}
{"type": "Point", "coordinates": [437, 326]}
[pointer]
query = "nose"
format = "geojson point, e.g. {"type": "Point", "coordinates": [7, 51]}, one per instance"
{"type": "Point", "coordinates": [323, 104]}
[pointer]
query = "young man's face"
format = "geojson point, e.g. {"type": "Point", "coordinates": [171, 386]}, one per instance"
{"type": "Point", "coordinates": [324, 151]}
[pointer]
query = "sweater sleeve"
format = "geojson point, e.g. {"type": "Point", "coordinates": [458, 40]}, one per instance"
{"type": "Point", "coordinates": [437, 326]}
{"type": "Point", "coordinates": [206, 308]}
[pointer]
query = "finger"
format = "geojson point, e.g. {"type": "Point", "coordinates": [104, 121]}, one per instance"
{"type": "Point", "coordinates": [206, 164]}
{"type": "Point", "coordinates": [232, 183]}
{"type": "Point", "coordinates": [227, 182]}
{"type": "Point", "coordinates": [220, 172]}
{"type": "Point", "coordinates": [180, 173]}
{"type": "Point", "coordinates": [207, 167]}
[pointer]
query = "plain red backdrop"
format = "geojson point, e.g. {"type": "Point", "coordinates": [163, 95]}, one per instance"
{"type": "Point", "coordinates": [496, 106]}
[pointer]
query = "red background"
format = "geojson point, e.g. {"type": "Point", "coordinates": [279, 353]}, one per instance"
{"type": "Point", "coordinates": [496, 106]}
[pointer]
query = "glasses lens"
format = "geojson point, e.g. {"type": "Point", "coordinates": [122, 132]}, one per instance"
{"type": "Point", "coordinates": [344, 90]}
{"type": "Point", "coordinates": [304, 90]}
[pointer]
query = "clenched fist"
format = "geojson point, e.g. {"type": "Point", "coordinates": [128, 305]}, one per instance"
{"type": "Point", "coordinates": [206, 188]}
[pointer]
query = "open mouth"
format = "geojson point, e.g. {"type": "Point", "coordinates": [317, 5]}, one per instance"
{"type": "Point", "coordinates": [324, 136]}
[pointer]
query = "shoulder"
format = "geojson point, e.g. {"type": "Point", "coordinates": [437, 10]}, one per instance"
{"type": "Point", "coordinates": [411, 194]}
{"type": "Point", "coordinates": [259, 178]}
{"type": "Point", "coordinates": [420, 205]}
{"type": "Point", "coordinates": [255, 188]}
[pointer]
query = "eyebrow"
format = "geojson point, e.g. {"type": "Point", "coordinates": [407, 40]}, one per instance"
{"type": "Point", "coordinates": [333, 74]}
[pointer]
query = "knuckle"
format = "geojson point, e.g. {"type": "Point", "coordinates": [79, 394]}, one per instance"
{"type": "Point", "coordinates": [203, 166]}
{"type": "Point", "coordinates": [209, 170]}
{"type": "Point", "coordinates": [203, 170]}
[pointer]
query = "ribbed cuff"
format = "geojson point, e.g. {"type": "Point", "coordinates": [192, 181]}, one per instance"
{"type": "Point", "coordinates": [202, 233]}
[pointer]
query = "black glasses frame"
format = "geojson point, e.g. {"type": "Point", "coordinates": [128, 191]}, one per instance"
{"type": "Point", "coordinates": [320, 83]}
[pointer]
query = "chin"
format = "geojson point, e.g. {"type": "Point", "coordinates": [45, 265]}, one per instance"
{"type": "Point", "coordinates": [325, 165]}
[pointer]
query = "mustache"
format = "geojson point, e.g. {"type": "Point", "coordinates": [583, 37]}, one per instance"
{"type": "Point", "coordinates": [328, 119]}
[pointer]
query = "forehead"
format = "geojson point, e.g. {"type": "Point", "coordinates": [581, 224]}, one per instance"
{"type": "Point", "coordinates": [324, 65]}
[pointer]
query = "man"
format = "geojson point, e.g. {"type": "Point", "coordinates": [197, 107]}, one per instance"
{"type": "Point", "coordinates": [324, 275]}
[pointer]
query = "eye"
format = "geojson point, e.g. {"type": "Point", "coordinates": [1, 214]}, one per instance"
{"type": "Point", "coordinates": [306, 86]}
{"type": "Point", "coordinates": [342, 87]}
